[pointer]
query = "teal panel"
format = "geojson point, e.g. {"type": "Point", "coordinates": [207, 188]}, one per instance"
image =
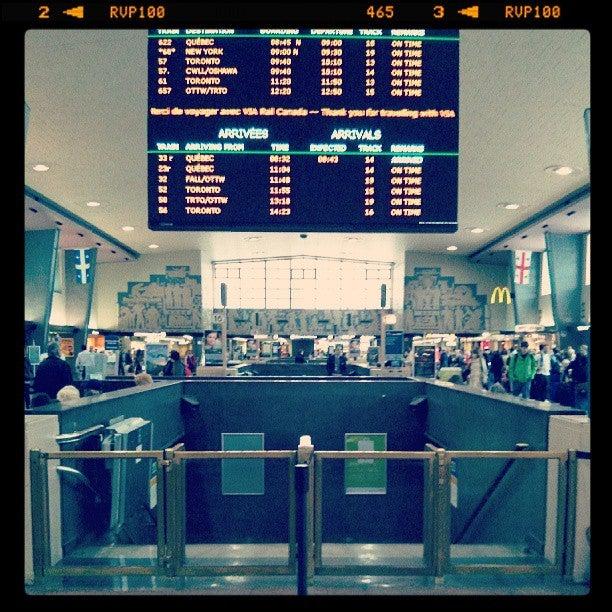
{"type": "Point", "coordinates": [39, 272]}
{"type": "Point", "coordinates": [565, 265]}
{"type": "Point", "coordinates": [527, 297]}
{"type": "Point", "coordinates": [242, 476]}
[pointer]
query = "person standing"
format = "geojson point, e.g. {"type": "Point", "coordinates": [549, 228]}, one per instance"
{"type": "Point", "coordinates": [544, 371]}
{"type": "Point", "coordinates": [174, 366]}
{"type": "Point", "coordinates": [342, 364]}
{"type": "Point", "coordinates": [53, 373]}
{"type": "Point", "coordinates": [331, 364]}
{"type": "Point", "coordinates": [522, 368]}
{"type": "Point", "coordinates": [478, 370]}
{"type": "Point", "coordinates": [555, 374]}
{"type": "Point", "coordinates": [138, 362]}
{"type": "Point", "coordinates": [579, 368]}
{"type": "Point", "coordinates": [496, 369]}
{"type": "Point", "coordinates": [83, 363]}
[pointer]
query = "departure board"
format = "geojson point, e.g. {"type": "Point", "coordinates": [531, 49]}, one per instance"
{"type": "Point", "coordinates": [303, 130]}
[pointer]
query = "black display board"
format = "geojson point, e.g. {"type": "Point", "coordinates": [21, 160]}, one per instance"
{"type": "Point", "coordinates": [305, 129]}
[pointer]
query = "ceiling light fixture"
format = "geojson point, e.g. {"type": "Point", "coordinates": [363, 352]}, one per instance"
{"type": "Point", "coordinates": [560, 170]}
{"type": "Point", "coordinates": [127, 228]}
{"type": "Point", "coordinates": [570, 213]}
{"type": "Point", "coordinates": [524, 236]}
{"type": "Point", "coordinates": [451, 248]}
{"type": "Point", "coordinates": [93, 204]}
{"type": "Point", "coordinates": [33, 210]}
{"type": "Point", "coordinates": [477, 230]}
{"type": "Point", "coordinates": [253, 238]}
{"type": "Point", "coordinates": [40, 168]}
{"type": "Point", "coordinates": [154, 246]}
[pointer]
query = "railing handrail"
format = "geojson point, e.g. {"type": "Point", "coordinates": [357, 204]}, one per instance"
{"type": "Point", "coordinates": [235, 454]}
{"type": "Point", "coordinates": [374, 454]}
{"type": "Point", "coordinates": [95, 454]}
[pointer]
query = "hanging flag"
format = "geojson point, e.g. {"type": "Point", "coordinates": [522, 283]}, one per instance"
{"type": "Point", "coordinates": [82, 265]}
{"type": "Point", "coordinates": [522, 263]}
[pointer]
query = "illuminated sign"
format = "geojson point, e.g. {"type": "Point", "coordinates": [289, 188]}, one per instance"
{"type": "Point", "coordinates": [303, 130]}
{"type": "Point", "coordinates": [498, 295]}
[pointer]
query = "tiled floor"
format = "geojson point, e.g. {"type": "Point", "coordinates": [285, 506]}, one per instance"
{"type": "Point", "coordinates": [395, 555]}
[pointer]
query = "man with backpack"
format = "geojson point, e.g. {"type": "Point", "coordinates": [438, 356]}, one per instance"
{"type": "Point", "coordinates": [522, 367]}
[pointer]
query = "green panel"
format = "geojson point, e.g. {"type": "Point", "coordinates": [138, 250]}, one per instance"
{"type": "Point", "coordinates": [242, 476]}
{"type": "Point", "coordinates": [365, 476]}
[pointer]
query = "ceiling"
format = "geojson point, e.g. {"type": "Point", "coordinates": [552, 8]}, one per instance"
{"type": "Point", "coordinates": [522, 98]}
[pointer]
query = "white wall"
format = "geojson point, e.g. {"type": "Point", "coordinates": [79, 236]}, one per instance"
{"type": "Point", "coordinates": [485, 276]}
{"type": "Point", "coordinates": [112, 278]}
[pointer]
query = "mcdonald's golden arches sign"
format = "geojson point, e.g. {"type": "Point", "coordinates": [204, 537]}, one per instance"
{"type": "Point", "coordinates": [498, 295]}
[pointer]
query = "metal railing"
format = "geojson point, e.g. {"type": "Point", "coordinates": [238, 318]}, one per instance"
{"type": "Point", "coordinates": [305, 482]}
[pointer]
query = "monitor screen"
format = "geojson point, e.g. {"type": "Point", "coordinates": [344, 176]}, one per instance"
{"type": "Point", "coordinates": [303, 129]}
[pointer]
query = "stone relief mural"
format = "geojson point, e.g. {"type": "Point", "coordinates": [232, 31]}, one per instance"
{"type": "Point", "coordinates": [307, 322]}
{"type": "Point", "coordinates": [434, 303]}
{"type": "Point", "coordinates": [166, 302]}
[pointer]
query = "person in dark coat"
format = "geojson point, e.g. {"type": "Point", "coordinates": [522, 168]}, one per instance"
{"type": "Point", "coordinates": [331, 364]}
{"type": "Point", "coordinates": [342, 364]}
{"type": "Point", "coordinates": [53, 373]}
{"type": "Point", "coordinates": [496, 368]}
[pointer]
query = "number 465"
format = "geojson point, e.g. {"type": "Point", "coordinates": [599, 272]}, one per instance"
{"type": "Point", "coordinates": [381, 12]}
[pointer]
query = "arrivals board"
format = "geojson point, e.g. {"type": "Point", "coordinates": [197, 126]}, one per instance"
{"type": "Point", "coordinates": [303, 130]}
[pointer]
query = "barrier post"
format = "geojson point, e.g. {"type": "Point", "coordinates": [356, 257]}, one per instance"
{"type": "Point", "coordinates": [39, 490]}
{"type": "Point", "coordinates": [570, 516]}
{"type": "Point", "coordinates": [430, 471]}
{"type": "Point", "coordinates": [302, 477]}
{"type": "Point", "coordinates": [442, 523]}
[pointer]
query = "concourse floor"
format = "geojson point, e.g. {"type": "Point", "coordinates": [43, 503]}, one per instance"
{"type": "Point", "coordinates": [333, 555]}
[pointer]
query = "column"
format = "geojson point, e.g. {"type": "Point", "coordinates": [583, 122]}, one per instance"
{"type": "Point", "coordinates": [40, 267]}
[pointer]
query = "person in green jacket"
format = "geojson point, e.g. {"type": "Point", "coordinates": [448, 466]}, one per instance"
{"type": "Point", "coordinates": [522, 367]}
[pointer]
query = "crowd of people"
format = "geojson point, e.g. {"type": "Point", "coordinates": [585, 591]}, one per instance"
{"type": "Point", "coordinates": [54, 379]}
{"type": "Point", "coordinates": [553, 375]}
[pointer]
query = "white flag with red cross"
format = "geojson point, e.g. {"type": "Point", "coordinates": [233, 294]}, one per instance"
{"type": "Point", "coordinates": [522, 263]}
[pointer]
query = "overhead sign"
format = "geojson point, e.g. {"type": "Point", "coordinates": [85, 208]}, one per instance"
{"type": "Point", "coordinates": [365, 476]}
{"type": "Point", "coordinates": [500, 294]}
{"type": "Point", "coordinates": [303, 130]}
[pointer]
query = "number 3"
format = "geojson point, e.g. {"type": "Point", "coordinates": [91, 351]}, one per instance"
{"type": "Point", "coordinates": [438, 12]}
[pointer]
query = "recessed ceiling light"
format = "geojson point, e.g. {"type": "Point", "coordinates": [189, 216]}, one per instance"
{"type": "Point", "coordinates": [505, 246]}
{"type": "Point", "coordinates": [127, 259]}
{"type": "Point", "coordinates": [560, 170]}
{"type": "Point", "coordinates": [477, 230]}
{"type": "Point", "coordinates": [114, 252]}
{"type": "Point", "coordinates": [570, 213]}
{"type": "Point", "coordinates": [127, 228]}
{"type": "Point", "coordinates": [545, 226]}
{"type": "Point", "coordinates": [451, 248]}
{"type": "Point", "coordinates": [352, 239]}
{"type": "Point", "coordinates": [80, 235]}
{"type": "Point", "coordinates": [33, 210]}
{"type": "Point", "coordinates": [154, 246]}
{"type": "Point", "coordinates": [59, 223]}
{"type": "Point", "coordinates": [511, 206]}
{"type": "Point", "coordinates": [523, 237]}
{"type": "Point", "coordinates": [93, 204]}
{"type": "Point", "coordinates": [253, 238]}
{"type": "Point", "coordinates": [98, 244]}
{"type": "Point", "coordinates": [40, 168]}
